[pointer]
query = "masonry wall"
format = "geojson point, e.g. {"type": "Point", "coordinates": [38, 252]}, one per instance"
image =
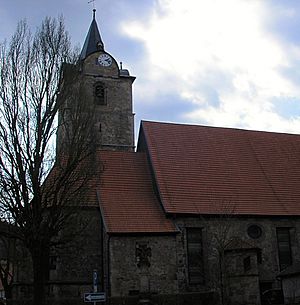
{"type": "Point", "coordinates": [291, 289]}
{"type": "Point", "coordinates": [158, 264]}
{"type": "Point", "coordinates": [114, 125]}
{"type": "Point", "coordinates": [131, 274]}
{"type": "Point", "coordinates": [168, 270]}
{"type": "Point", "coordinates": [241, 283]}
{"type": "Point", "coordinates": [76, 260]}
{"type": "Point", "coordinates": [268, 268]}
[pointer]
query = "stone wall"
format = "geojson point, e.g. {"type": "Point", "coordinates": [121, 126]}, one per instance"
{"type": "Point", "coordinates": [76, 260]}
{"type": "Point", "coordinates": [145, 264]}
{"type": "Point", "coordinates": [291, 289]}
{"type": "Point", "coordinates": [241, 278]}
{"type": "Point", "coordinates": [268, 268]}
{"type": "Point", "coordinates": [114, 121]}
{"type": "Point", "coordinates": [158, 264]}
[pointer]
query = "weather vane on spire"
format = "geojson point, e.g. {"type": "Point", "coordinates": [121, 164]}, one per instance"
{"type": "Point", "coordinates": [94, 9]}
{"type": "Point", "coordinates": [92, 1]}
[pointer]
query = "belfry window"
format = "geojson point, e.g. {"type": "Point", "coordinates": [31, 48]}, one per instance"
{"type": "Point", "coordinates": [195, 255]}
{"type": "Point", "coordinates": [100, 94]}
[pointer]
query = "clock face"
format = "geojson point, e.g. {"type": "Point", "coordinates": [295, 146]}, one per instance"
{"type": "Point", "coordinates": [104, 60]}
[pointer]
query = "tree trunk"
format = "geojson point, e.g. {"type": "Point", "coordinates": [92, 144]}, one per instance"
{"type": "Point", "coordinates": [40, 260]}
{"type": "Point", "coordinates": [7, 290]}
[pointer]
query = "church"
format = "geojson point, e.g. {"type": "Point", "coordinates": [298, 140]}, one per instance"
{"type": "Point", "coordinates": [189, 215]}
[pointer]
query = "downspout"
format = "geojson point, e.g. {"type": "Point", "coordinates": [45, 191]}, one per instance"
{"type": "Point", "coordinates": [107, 241]}
{"type": "Point", "coordinates": [108, 284]}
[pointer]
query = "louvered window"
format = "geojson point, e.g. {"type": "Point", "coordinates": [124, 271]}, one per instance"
{"type": "Point", "coordinates": [100, 94]}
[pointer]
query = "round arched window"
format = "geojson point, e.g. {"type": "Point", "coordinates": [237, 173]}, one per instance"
{"type": "Point", "coordinates": [254, 231]}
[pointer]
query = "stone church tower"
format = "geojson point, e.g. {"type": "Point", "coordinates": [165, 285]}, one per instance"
{"type": "Point", "coordinates": [97, 95]}
{"type": "Point", "coordinates": [107, 92]}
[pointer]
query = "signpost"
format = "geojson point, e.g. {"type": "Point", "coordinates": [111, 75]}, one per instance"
{"type": "Point", "coordinates": [95, 296]}
{"type": "Point", "coordinates": [95, 281]}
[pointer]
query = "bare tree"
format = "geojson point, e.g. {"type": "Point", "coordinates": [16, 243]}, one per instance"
{"type": "Point", "coordinates": [38, 188]}
{"type": "Point", "coordinates": [221, 234]}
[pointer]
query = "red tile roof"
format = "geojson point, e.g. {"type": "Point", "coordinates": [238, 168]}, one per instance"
{"type": "Point", "coordinates": [127, 200]}
{"type": "Point", "coordinates": [210, 170]}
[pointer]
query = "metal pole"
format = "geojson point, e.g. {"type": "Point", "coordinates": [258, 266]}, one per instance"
{"type": "Point", "coordinates": [95, 282]}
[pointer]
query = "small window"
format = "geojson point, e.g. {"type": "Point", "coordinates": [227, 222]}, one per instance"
{"type": "Point", "coordinates": [50, 290]}
{"type": "Point", "coordinates": [259, 256]}
{"type": "Point", "coordinates": [52, 262]}
{"type": "Point", "coordinates": [195, 256]}
{"type": "Point", "coordinates": [100, 94]}
{"type": "Point", "coordinates": [254, 231]}
{"type": "Point", "coordinates": [247, 263]}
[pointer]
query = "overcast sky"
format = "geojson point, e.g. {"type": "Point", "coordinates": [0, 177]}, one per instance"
{"type": "Point", "coordinates": [232, 63]}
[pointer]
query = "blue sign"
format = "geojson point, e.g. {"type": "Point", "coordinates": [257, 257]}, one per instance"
{"type": "Point", "coordinates": [95, 297]}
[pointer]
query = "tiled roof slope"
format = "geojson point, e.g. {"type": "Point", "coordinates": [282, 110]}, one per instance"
{"type": "Point", "coordinates": [127, 200]}
{"type": "Point", "coordinates": [210, 170]}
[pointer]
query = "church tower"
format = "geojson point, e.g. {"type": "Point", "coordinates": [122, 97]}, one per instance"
{"type": "Point", "coordinates": [107, 90]}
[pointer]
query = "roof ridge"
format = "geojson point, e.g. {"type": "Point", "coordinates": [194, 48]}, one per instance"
{"type": "Point", "coordinates": [219, 127]}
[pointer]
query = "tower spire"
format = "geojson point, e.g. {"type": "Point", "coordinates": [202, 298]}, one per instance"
{"type": "Point", "coordinates": [93, 41]}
